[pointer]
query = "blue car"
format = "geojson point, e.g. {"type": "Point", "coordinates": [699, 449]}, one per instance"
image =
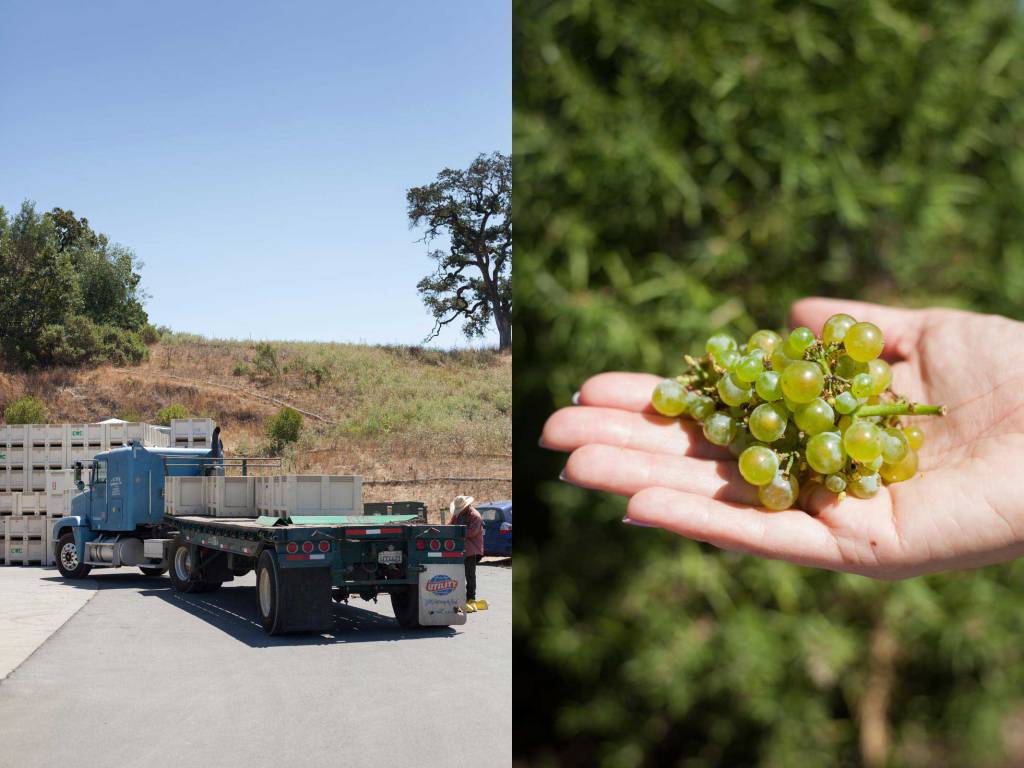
{"type": "Point", "coordinates": [497, 517]}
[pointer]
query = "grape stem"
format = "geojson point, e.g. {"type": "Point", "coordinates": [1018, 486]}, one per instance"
{"type": "Point", "coordinates": [900, 409]}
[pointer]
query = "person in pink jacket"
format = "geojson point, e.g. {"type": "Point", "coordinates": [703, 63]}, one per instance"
{"type": "Point", "coordinates": [464, 513]}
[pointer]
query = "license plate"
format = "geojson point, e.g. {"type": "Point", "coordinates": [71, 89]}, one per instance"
{"type": "Point", "coordinates": [390, 557]}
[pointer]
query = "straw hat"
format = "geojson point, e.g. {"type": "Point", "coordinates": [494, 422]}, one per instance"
{"type": "Point", "coordinates": [460, 503]}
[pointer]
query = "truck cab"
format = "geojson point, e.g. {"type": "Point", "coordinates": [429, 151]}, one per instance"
{"type": "Point", "coordinates": [122, 507]}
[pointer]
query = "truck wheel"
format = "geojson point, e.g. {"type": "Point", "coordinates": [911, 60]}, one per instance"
{"type": "Point", "coordinates": [406, 606]}
{"type": "Point", "coordinates": [66, 555]}
{"type": "Point", "coordinates": [181, 569]}
{"type": "Point", "coordinates": [292, 600]}
{"type": "Point", "coordinates": [152, 572]}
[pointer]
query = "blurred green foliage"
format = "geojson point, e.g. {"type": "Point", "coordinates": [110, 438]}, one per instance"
{"type": "Point", "coordinates": [684, 167]}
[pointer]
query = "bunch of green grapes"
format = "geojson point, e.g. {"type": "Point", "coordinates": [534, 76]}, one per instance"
{"type": "Point", "coordinates": [801, 410]}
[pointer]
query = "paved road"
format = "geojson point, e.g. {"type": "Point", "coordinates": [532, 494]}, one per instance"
{"type": "Point", "coordinates": [145, 676]}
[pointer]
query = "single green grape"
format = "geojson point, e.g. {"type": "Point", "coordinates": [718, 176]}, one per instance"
{"type": "Point", "coordinates": [894, 445]}
{"type": "Point", "coordinates": [847, 367]}
{"type": "Point", "coordinates": [875, 464]}
{"type": "Point", "coordinates": [861, 385]}
{"type": "Point", "coordinates": [758, 465]}
{"type": "Point", "coordinates": [718, 344]}
{"type": "Point", "coordinates": [881, 375]}
{"type": "Point", "coordinates": [702, 407]}
{"type": "Point", "coordinates": [863, 441]}
{"type": "Point", "coordinates": [835, 328]}
{"type": "Point", "coordinates": [825, 453]}
{"type": "Point", "coordinates": [768, 386]}
{"type": "Point", "coordinates": [749, 367]}
{"type": "Point", "coordinates": [767, 422]}
{"type": "Point", "coordinates": [741, 442]}
{"type": "Point", "coordinates": [835, 483]}
{"type": "Point", "coordinates": [865, 486]}
{"type": "Point", "coordinates": [764, 340]}
{"type": "Point", "coordinates": [814, 417]}
{"type": "Point", "coordinates": [864, 342]}
{"type": "Point", "coordinates": [802, 381]}
{"type": "Point", "coordinates": [902, 470]}
{"type": "Point", "coordinates": [720, 428]}
{"type": "Point", "coordinates": [779, 360]}
{"type": "Point", "coordinates": [844, 424]}
{"type": "Point", "coordinates": [797, 341]}
{"type": "Point", "coordinates": [846, 403]}
{"type": "Point", "coordinates": [669, 398]}
{"type": "Point", "coordinates": [728, 359]}
{"type": "Point", "coordinates": [780, 493]}
{"type": "Point", "coordinates": [731, 391]}
{"type": "Point", "coordinates": [915, 436]}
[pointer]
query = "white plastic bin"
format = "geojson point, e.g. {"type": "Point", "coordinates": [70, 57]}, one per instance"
{"type": "Point", "coordinates": [231, 496]}
{"type": "Point", "coordinates": [44, 456]}
{"type": "Point", "coordinates": [22, 550]}
{"type": "Point", "coordinates": [12, 456]}
{"type": "Point", "coordinates": [31, 504]}
{"type": "Point", "coordinates": [42, 434]}
{"type": "Point", "coordinates": [185, 496]}
{"type": "Point", "coordinates": [191, 432]}
{"type": "Point", "coordinates": [282, 495]}
{"type": "Point", "coordinates": [12, 479]}
{"type": "Point", "coordinates": [15, 434]}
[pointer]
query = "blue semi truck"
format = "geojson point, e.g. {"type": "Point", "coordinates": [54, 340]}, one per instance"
{"type": "Point", "coordinates": [302, 563]}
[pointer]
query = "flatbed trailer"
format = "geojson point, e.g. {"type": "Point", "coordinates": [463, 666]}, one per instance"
{"type": "Point", "coordinates": [302, 564]}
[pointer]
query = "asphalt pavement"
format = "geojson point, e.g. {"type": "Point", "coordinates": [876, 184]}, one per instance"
{"type": "Point", "coordinates": [145, 676]}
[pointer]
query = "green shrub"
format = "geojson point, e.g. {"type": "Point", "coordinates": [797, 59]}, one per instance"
{"type": "Point", "coordinates": [26, 410]}
{"type": "Point", "coordinates": [284, 428]}
{"type": "Point", "coordinates": [173, 411]}
{"type": "Point", "coordinates": [314, 375]}
{"type": "Point", "coordinates": [150, 334]}
{"type": "Point", "coordinates": [265, 362]}
{"type": "Point", "coordinates": [241, 369]}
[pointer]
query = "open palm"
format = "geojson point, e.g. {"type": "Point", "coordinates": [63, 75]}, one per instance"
{"type": "Point", "coordinates": [964, 509]}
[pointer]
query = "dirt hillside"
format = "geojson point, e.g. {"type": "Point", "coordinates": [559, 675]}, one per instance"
{"type": "Point", "coordinates": [407, 419]}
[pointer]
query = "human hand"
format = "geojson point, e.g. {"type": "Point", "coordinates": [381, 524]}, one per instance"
{"type": "Point", "coordinates": [964, 509]}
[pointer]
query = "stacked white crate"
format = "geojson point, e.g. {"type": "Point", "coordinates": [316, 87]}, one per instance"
{"type": "Point", "coordinates": [191, 433]}
{"type": "Point", "coordinates": [37, 479]}
{"type": "Point", "coordinates": [285, 495]}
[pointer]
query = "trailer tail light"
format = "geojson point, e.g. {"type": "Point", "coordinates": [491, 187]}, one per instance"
{"type": "Point", "coordinates": [449, 544]}
{"type": "Point", "coordinates": [421, 544]}
{"type": "Point", "coordinates": [291, 548]}
{"type": "Point", "coordinates": [325, 546]}
{"type": "Point", "coordinates": [307, 547]}
{"type": "Point", "coordinates": [435, 544]}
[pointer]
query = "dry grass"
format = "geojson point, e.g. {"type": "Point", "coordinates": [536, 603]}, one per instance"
{"type": "Point", "coordinates": [387, 412]}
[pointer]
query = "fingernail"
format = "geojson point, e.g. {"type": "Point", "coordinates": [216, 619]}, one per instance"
{"type": "Point", "coordinates": [637, 523]}
{"type": "Point", "coordinates": [576, 398]}
{"type": "Point", "coordinates": [562, 476]}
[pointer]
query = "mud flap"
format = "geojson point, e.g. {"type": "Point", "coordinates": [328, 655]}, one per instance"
{"type": "Point", "coordinates": [442, 594]}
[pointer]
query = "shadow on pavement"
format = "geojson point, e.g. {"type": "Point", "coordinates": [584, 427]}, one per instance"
{"type": "Point", "coordinates": [232, 609]}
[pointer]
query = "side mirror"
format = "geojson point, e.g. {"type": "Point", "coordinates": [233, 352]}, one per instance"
{"type": "Point", "coordinates": [78, 476]}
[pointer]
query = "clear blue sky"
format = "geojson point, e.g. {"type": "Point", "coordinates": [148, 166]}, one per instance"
{"type": "Point", "coordinates": [255, 155]}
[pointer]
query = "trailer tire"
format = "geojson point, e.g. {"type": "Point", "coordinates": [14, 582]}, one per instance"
{"type": "Point", "coordinates": [292, 600]}
{"type": "Point", "coordinates": [406, 605]}
{"type": "Point", "coordinates": [66, 555]}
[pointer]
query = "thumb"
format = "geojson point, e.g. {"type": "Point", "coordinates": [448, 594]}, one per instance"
{"type": "Point", "coordinates": [900, 327]}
